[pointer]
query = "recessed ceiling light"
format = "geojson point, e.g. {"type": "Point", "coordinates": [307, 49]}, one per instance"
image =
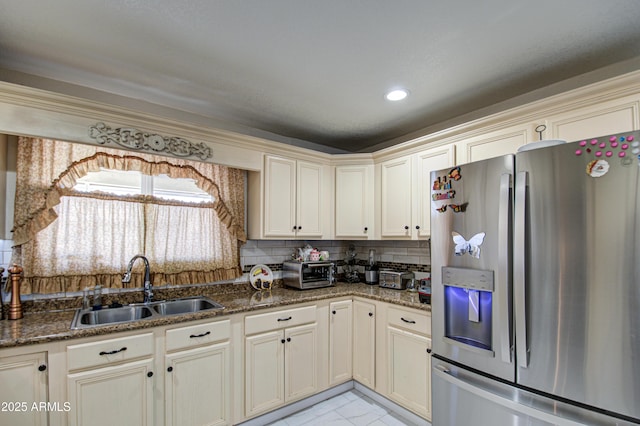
{"type": "Point", "coordinates": [396, 95]}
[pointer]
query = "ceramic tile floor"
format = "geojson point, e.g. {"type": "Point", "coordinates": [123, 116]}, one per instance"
{"type": "Point", "coordinates": [349, 408]}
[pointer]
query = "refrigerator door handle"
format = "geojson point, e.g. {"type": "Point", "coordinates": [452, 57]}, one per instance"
{"type": "Point", "coordinates": [519, 265]}
{"type": "Point", "coordinates": [502, 276]}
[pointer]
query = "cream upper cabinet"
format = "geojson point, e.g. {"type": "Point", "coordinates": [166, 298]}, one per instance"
{"type": "Point", "coordinates": [294, 198]}
{"type": "Point", "coordinates": [364, 342]}
{"type": "Point", "coordinates": [340, 342]}
{"type": "Point", "coordinates": [354, 201]}
{"type": "Point", "coordinates": [494, 143]}
{"type": "Point", "coordinates": [424, 163]}
{"type": "Point", "coordinates": [615, 116]}
{"type": "Point", "coordinates": [197, 375]}
{"type": "Point", "coordinates": [406, 192]}
{"type": "Point", "coordinates": [23, 383]}
{"type": "Point", "coordinates": [396, 198]}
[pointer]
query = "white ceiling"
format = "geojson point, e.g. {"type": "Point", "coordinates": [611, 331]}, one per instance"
{"type": "Point", "coordinates": [304, 71]}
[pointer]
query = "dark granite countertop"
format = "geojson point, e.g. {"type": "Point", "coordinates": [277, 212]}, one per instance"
{"type": "Point", "coordinates": [41, 326]}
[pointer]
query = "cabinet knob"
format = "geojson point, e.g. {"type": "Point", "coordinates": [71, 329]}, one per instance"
{"type": "Point", "coordinates": [150, 374]}
{"type": "Point", "coordinates": [282, 341]}
{"type": "Point", "coordinates": [429, 350]}
{"type": "Point", "coordinates": [417, 226]}
{"type": "Point", "coordinates": [42, 367]}
{"type": "Point", "coordinates": [370, 314]}
{"type": "Point", "coordinates": [333, 312]}
{"type": "Point", "coordinates": [288, 339]}
{"type": "Point", "coordinates": [406, 227]}
{"type": "Point", "coordinates": [169, 369]}
{"type": "Point", "coordinates": [366, 229]}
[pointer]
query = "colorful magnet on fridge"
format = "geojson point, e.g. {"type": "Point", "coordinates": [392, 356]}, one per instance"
{"type": "Point", "coordinates": [597, 168]}
{"type": "Point", "coordinates": [442, 209]}
{"type": "Point", "coordinates": [455, 173]}
{"type": "Point", "coordinates": [444, 195]}
{"type": "Point", "coordinates": [459, 208]}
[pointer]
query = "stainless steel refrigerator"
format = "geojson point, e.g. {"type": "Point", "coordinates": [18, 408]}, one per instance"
{"type": "Point", "coordinates": [536, 287]}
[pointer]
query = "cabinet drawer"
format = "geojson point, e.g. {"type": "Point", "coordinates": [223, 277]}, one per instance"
{"type": "Point", "coordinates": [417, 322]}
{"type": "Point", "coordinates": [109, 351]}
{"type": "Point", "coordinates": [195, 335]}
{"type": "Point", "coordinates": [280, 319]}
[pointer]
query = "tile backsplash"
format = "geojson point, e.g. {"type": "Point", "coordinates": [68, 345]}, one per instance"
{"type": "Point", "coordinates": [399, 255]}
{"type": "Point", "coordinates": [411, 255]}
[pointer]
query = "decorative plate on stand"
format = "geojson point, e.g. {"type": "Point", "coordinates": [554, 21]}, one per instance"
{"type": "Point", "coordinates": [261, 277]}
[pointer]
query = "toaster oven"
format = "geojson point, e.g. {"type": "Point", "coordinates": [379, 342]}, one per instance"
{"type": "Point", "coordinates": [306, 275]}
{"type": "Point", "coordinates": [394, 279]}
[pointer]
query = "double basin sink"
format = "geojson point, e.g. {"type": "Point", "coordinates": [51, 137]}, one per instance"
{"type": "Point", "coordinates": [86, 318]}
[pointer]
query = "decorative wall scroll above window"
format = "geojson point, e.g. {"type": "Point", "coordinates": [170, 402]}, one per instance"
{"type": "Point", "coordinates": [138, 140]}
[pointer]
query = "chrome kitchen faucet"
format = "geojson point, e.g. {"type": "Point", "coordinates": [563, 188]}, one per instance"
{"type": "Point", "coordinates": [148, 288]}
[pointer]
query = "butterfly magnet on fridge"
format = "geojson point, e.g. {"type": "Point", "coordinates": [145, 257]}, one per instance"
{"type": "Point", "coordinates": [471, 246]}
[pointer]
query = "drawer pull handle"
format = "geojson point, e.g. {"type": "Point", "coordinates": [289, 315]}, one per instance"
{"type": "Point", "coordinates": [284, 319]}
{"type": "Point", "coordinates": [408, 321]}
{"type": "Point", "coordinates": [113, 352]}
{"type": "Point", "coordinates": [195, 336]}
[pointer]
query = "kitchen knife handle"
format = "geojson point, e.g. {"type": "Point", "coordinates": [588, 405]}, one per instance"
{"type": "Point", "coordinates": [519, 272]}
{"type": "Point", "coordinates": [502, 272]}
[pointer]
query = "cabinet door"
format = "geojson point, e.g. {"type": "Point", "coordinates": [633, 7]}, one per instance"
{"type": "Point", "coordinates": [301, 361]}
{"type": "Point", "coordinates": [23, 382]}
{"type": "Point", "coordinates": [409, 368]}
{"type": "Point", "coordinates": [494, 143]}
{"type": "Point", "coordinates": [425, 163]}
{"type": "Point", "coordinates": [354, 201]}
{"type": "Point", "coordinates": [364, 343]}
{"type": "Point", "coordinates": [396, 198]}
{"type": "Point", "coordinates": [264, 372]}
{"type": "Point", "coordinates": [620, 115]}
{"type": "Point", "coordinates": [340, 342]}
{"type": "Point", "coordinates": [279, 197]}
{"type": "Point", "coordinates": [197, 386]}
{"type": "Point", "coordinates": [309, 205]}
{"type": "Point", "coordinates": [117, 395]}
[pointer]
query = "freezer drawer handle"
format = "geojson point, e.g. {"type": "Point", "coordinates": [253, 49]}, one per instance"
{"type": "Point", "coordinates": [408, 321]}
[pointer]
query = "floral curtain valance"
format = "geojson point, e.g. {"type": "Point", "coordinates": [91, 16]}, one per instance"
{"type": "Point", "coordinates": [63, 246]}
{"type": "Point", "coordinates": [26, 227]}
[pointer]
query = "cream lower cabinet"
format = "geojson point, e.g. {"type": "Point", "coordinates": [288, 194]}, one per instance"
{"type": "Point", "coordinates": [197, 375]}
{"type": "Point", "coordinates": [23, 383]}
{"type": "Point", "coordinates": [111, 382]}
{"type": "Point", "coordinates": [364, 342]}
{"type": "Point", "coordinates": [340, 342]}
{"type": "Point", "coordinates": [281, 358]}
{"type": "Point", "coordinates": [409, 359]}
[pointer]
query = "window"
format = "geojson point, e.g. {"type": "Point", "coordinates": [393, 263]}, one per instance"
{"type": "Point", "coordinates": [84, 212]}
{"type": "Point", "coordinates": [121, 182]}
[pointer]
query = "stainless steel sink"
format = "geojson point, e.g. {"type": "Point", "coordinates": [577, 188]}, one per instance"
{"type": "Point", "coordinates": [185, 306]}
{"type": "Point", "coordinates": [90, 318]}
{"type": "Point", "coordinates": [86, 318]}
